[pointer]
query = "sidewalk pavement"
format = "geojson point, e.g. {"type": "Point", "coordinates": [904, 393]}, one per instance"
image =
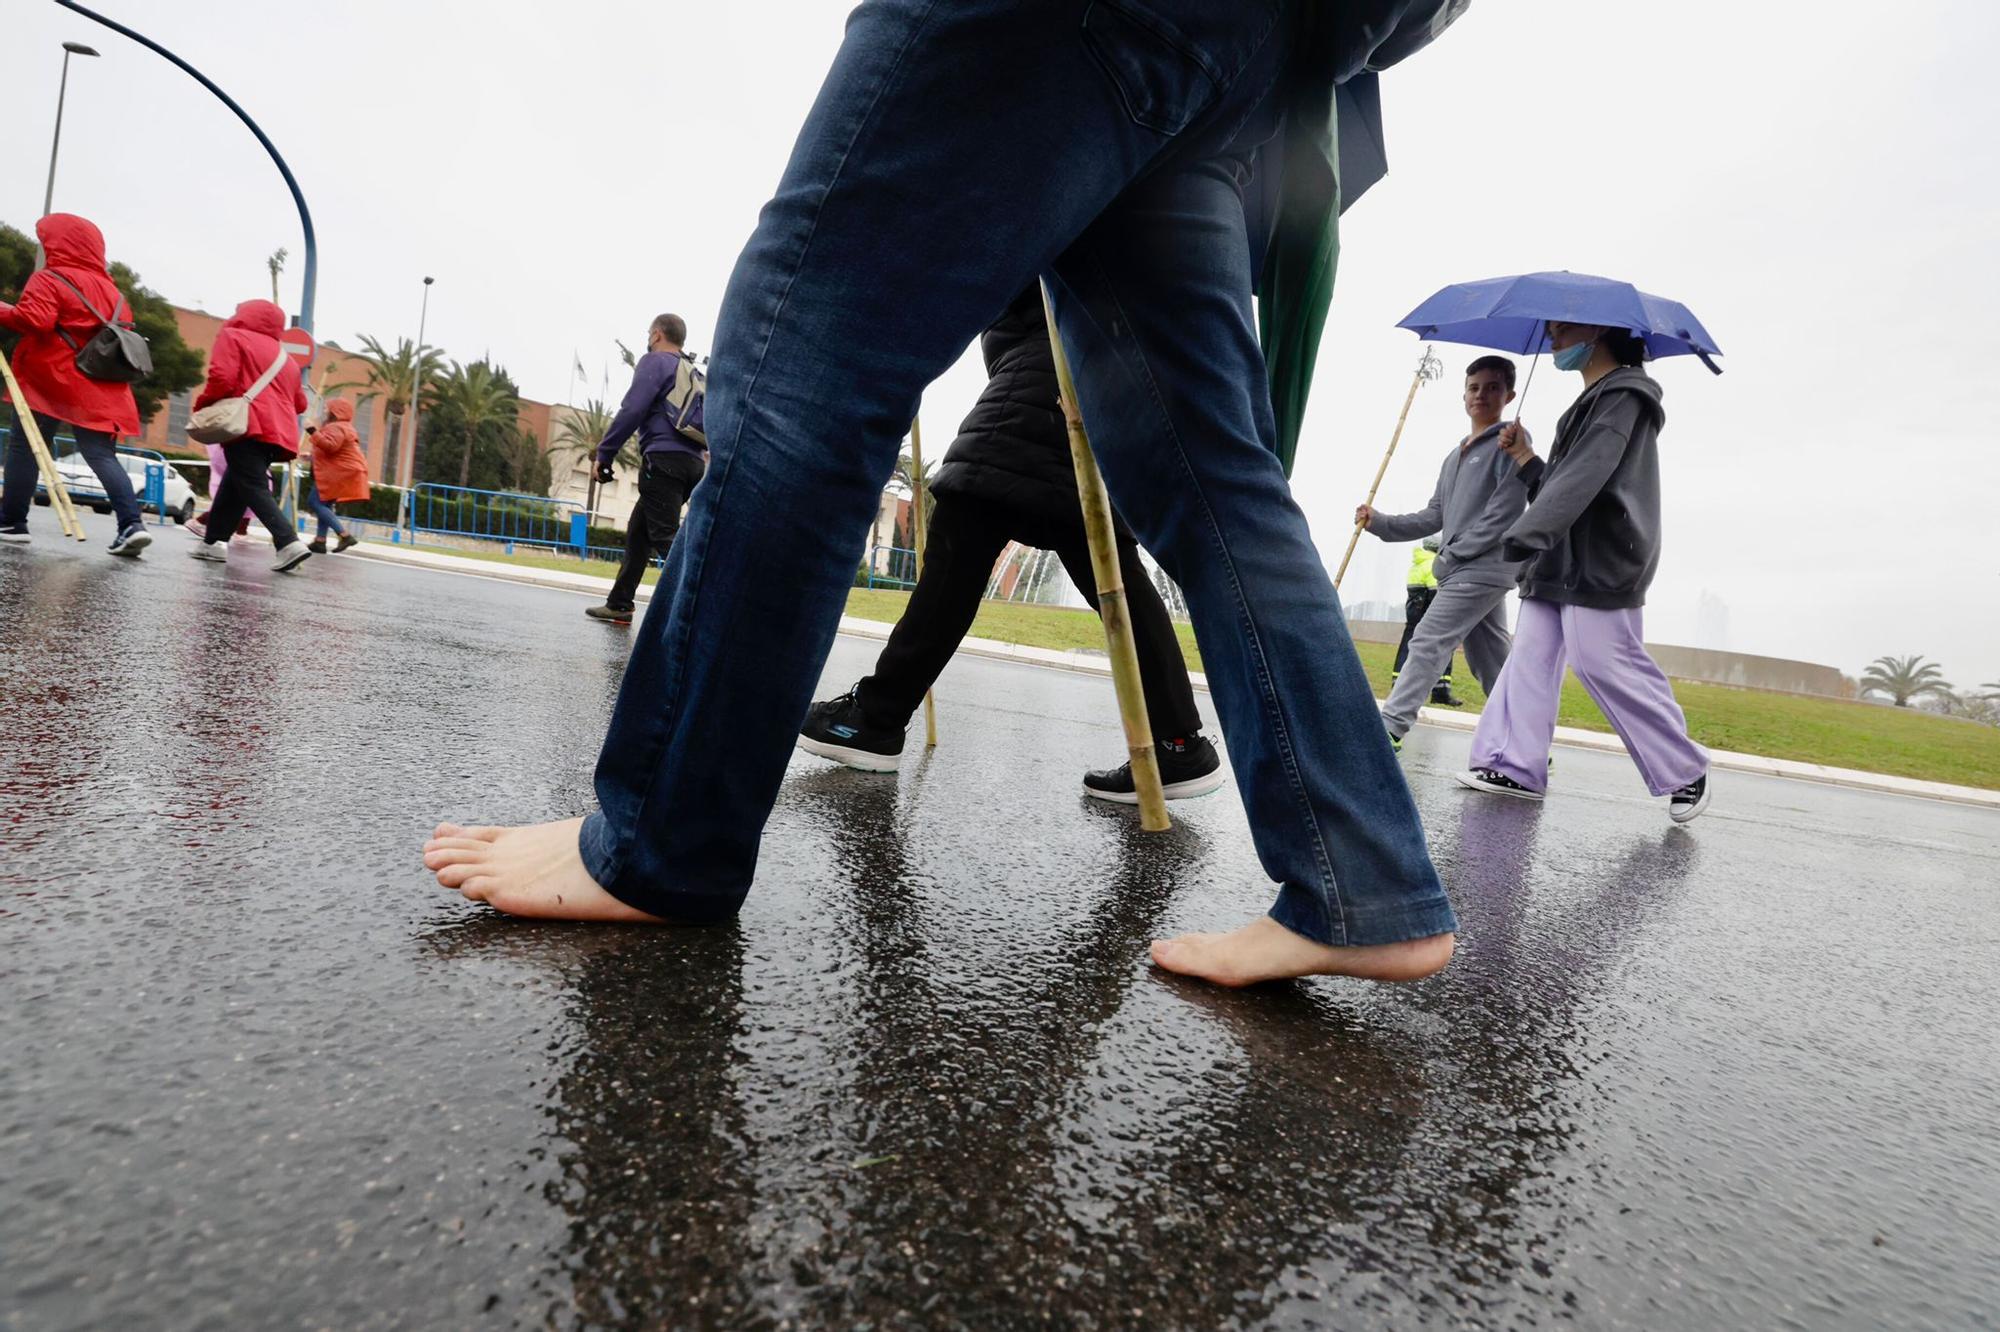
{"type": "Point", "coordinates": [1096, 663]}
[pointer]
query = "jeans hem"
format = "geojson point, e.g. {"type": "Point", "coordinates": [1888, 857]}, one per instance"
{"type": "Point", "coordinates": [601, 862]}
{"type": "Point", "coordinates": [1300, 911]}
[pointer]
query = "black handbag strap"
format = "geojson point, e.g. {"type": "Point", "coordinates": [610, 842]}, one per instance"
{"type": "Point", "coordinates": [56, 273]}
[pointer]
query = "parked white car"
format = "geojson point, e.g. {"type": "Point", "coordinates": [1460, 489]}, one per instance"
{"type": "Point", "coordinates": [84, 487]}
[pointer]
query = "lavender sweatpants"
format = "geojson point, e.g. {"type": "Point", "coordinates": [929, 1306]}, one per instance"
{"type": "Point", "coordinates": [1607, 650]}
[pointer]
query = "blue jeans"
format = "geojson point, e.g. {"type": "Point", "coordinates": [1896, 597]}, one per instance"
{"type": "Point", "coordinates": [955, 152]}
{"type": "Point", "coordinates": [98, 448]}
{"type": "Point", "coordinates": [322, 512]}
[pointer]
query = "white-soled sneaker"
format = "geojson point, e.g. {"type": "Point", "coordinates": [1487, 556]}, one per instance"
{"type": "Point", "coordinates": [215, 552]}
{"type": "Point", "coordinates": [1495, 783]}
{"type": "Point", "coordinates": [1686, 804]}
{"type": "Point", "coordinates": [291, 557]}
{"type": "Point", "coordinates": [131, 541]}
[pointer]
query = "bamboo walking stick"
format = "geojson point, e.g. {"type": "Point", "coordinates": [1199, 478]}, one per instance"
{"type": "Point", "coordinates": [59, 500]}
{"type": "Point", "coordinates": [923, 529]}
{"type": "Point", "coordinates": [1428, 367]}
{"type": "Point", "coordinates": [1111, 602]}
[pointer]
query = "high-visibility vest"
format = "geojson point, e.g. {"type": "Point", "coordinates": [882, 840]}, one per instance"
{"type": "Point", "coordinates": [1420, 568]}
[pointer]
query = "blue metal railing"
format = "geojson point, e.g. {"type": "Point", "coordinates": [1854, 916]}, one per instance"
{"type": "Point", "coordinates": [506, 517]}
{"type": "Point", "coordinates": [890, 566]}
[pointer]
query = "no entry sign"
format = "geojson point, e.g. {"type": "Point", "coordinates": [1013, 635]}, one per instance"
{"type": "Point", "coordinates": [299, 343]}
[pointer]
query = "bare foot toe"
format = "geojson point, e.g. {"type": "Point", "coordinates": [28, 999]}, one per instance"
{"type": "Point", "coordinates": [535, 871]}
{"type": "Point", "coordinates": [1264, 950]}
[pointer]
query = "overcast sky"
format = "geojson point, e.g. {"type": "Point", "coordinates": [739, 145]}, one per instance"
{"type": "Point", "coordinates": [1817, 182]}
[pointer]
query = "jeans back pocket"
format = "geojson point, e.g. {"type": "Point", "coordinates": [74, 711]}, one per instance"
{"type": "Point", "coordinates": [1162, 80]}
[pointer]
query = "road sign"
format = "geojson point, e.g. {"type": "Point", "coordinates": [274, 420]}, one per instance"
{"type": "Point", "coordinates": [299, 343]}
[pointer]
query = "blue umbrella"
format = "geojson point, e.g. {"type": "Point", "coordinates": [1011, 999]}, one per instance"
{"type": "Point", "coordinates": [1510, 313]}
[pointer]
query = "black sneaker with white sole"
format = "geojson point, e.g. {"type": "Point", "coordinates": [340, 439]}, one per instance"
{"type": "Point", "coordinates": [1686, 804]}
{"type": "Point", "coordinates": [15, 534]}
{"type": "Point", "coordinates": [1495, 783]}
{"type": "Point", "coordinates": [837, 729]}
{"type": "Point", "coordinates": [1189, 767]}
{"type": "Point", "coordinates": [132, 540]}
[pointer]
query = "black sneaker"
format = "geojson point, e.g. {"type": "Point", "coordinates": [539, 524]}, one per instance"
{"type": "Point", "coordinates": [837, 729]}
{"type": "Point", "coordinates": [1496, 783]}
{"type": "Point", "coordinates": [15, 534]}
{"type": "Point", "coordinates": [317, 545]}
{"type": "Point", "coordinates": [610, 614]}
{"type": "Point", "coordinates": [1686, 804]}
{"type": "Point", "coordinates": [132, 540]}
{"type": "Point", "coordinates": [1442, 697]}
{"type": "Point", "coordinates": [1188, 767]}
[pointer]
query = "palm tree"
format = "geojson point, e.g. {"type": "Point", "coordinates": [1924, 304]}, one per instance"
{"type": "Point", "coordinates": [397, 376]}
{"type": "Point", "coordinates": [481, 401]}
{"type": "Point", "coordinates": [1904, 678]}
{"type": "Point", "coordinates": [1991, 689]}
{"type": "Point", "coordinates": [276, 263]}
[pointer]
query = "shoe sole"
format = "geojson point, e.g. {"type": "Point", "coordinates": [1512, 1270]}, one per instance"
{"type": "Point", "coordinates": [861, 760]}
{"type": "Point", "coordinates": [201, 553]}
{"type": "Point", "coordinates": [131, 548]}
{"type": "Point", "coordinates": [15, 538]}
{"type": "Point", "coordinates": [1187, 790]}
{"type": "Point", "coordinates": [1472, 783]}
{"type": "Point", "coordinates": [625, 623]}
{"type": "Point", "coordinates": [286, 566]}
{"type": "Point", "coordinates": [1694, 810]}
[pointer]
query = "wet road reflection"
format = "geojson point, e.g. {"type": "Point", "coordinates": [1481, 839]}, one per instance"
{"type": "Point", "coordinates": [260, 1072]}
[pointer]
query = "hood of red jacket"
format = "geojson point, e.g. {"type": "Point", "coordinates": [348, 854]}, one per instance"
{"type": "Point", "coordinates": [257, 317]}
{"type": "Point", "coordinates": [339, 409]}
{"type": "Point", "coordinates": [71, 242]}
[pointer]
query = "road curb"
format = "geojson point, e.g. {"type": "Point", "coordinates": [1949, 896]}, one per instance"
{"type": "Point", "coordinates": [1091, 663]}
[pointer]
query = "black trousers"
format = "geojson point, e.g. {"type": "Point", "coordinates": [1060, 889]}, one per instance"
{"type": "Point", "coordinates": [966, 537]}
{"type": "Point", "coordinates": [247, 485]}
{"type": "Point", "coordinates": [1419, 601]}
{"type": "Point", "coordinates": [665, 482]}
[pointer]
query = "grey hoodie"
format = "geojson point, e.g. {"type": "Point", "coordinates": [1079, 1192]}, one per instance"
{"type": "Point", "coordinates": [1592, 535]}
{"type": "Point", "coordinates": [1479, 494]}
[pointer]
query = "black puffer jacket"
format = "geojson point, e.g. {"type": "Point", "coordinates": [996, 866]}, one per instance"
{"type": "Point", "coordinates": [1013, 450]}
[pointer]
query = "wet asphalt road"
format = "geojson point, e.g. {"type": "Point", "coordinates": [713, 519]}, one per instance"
{"type": "Point", "coordinates": [260, 1072]}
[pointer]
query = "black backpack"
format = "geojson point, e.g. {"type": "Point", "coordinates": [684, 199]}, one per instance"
{"type": "Point", "coordinates": [115, 354]}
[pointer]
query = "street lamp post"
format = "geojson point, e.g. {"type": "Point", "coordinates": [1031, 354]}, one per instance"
{"type": "Point", "coordinates": [311, 276]}
{"type": "Point", "coordinates": [62, 92]}
{"type": "Point", "coordinates": [417, 388]}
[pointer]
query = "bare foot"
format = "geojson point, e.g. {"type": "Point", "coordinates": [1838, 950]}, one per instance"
{"type": "Point", "coordinates": [534, 871]}
{"type": "Point", "coordinates": [1264, 950]}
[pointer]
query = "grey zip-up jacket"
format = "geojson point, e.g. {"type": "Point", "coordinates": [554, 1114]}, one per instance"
{"type": "Point", "coordinates": [1591, 536]}
{"type": "Point", "coordinates": [1480, 492]}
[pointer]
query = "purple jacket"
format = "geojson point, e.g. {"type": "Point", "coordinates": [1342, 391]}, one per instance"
{"type": "Point", "coordinates": [645, 411]}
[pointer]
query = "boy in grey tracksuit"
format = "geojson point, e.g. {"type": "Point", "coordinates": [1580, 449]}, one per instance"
{"type": "Point", "coordinates": [1479, 495]}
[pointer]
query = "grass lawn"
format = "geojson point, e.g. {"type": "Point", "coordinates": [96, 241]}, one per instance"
{"type": "Point", "coordinates": [528, 557]}
{"type": "Point", "coordinates": [1899, 741]}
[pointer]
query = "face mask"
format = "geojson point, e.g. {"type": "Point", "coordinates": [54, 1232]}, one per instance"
{"type": "Point", "coordinates": [1573, 358]}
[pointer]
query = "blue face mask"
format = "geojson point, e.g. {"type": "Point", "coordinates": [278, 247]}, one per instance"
{"type": "Point", "coordinates": [1573, 358]}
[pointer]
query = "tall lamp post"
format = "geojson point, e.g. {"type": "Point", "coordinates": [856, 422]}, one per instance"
{"type": "Point", "coordinates": [62, 92]}
{"type": "Point", "coordinates": [311, 276]}
{"type": "Point", "coordinates": [417, 388]}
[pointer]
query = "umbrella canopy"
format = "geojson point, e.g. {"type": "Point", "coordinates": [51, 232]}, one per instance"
{"type": "Point", "coordinates": [1510, 314]}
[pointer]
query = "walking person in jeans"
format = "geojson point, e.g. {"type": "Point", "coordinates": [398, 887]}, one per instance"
{"type": "Point", "coordinates": [671, 464]}
{"type": "Point", "coordinates": [1590, 542]}
{"type": "Point", "coordinates": [339, 473]}
{"type": "Point", "coordinates": [1479, 494]}
{"type": "Point", "coordinates": [1009, 477]}
{"type": "Point", "coordinates": [244, 353]}
{"type": "Point", "coordinates": [54, 317]}
{"type": "Point", "coordinates": [954, 153]}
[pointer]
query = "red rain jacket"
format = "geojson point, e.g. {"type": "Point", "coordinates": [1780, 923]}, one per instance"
{"type": "Point", "coordinates": [339, 470]}
{"type": "Point", "coordinates": [243, 351]}
{"type": "Point", "coordinates": [43, 362]}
